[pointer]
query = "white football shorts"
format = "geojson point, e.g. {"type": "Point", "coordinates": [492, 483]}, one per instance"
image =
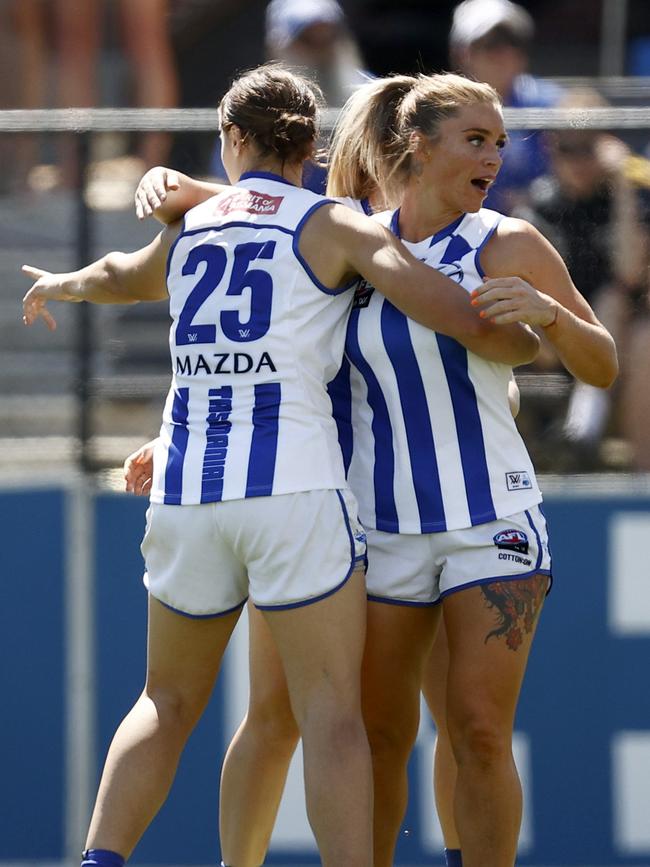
{"type": "Point", "coordinates": [422, 569]}
{"type": "Point", "coordinates": [284, 550]}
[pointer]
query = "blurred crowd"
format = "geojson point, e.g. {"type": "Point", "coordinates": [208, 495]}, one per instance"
{"type": "Point", "coordinates": [587, 190]}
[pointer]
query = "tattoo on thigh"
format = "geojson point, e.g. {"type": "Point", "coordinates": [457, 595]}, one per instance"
{"type": "Point", "coordinates": [516, 605]}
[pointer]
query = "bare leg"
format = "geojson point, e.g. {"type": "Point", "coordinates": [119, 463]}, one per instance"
{"type": "Point", "coordinates": [398, 641]}
{"type": "Point", "coordinates": [490, 630]}
{"type": "Point", "coordinates": [78, 41]}
{"type": "Point", "coordinates": [145, 28]}
{"type": "Point", "coordinates": [256, 764]}
{"type": "Point", "coordinates": [184, 655]}
{"type": "Point", "coordinates": [434, 688]}
{"type": "Point", "coordinates": [321, 646]}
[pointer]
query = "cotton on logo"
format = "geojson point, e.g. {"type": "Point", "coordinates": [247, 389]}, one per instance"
{"type": "Point", "coordinates": [192, 337]}
{"type": "Point", "coordinates": [244, 332]}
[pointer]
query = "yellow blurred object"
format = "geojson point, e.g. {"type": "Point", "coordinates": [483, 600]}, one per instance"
{"type": "Point", "coordinates": [637, 170]}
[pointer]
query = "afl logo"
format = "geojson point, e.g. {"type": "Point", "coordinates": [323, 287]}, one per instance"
{"type": "Point", "coordinates": [453, 270]}
{"type": "Point", "coordinates": [512, 540]}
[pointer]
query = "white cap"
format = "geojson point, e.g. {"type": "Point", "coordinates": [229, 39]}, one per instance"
{"type": "Point", "coordinates": [473, 19]}
{"type": "Point", "coordinates": [285, 19]}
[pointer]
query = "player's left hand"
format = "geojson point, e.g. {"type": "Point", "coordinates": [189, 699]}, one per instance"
{"type": "Point", "coordinates": [47, 287]}
{"type": "Point", "coordinates": [504, 300]}
{"type": "Point", "coordinates": [152, 190]}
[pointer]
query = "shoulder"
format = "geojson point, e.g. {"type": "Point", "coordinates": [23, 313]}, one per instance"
{"type": "Point", "coordinates": [516, 248]}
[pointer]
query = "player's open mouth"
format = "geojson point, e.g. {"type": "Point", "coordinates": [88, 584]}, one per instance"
{"type": "Point", "coordinates": [483, 184]}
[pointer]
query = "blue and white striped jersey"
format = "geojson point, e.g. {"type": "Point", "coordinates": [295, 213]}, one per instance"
{"type": "Point", "coordinates": [425, 425]}
{"type": "Point", "coordinates": [254, 340]}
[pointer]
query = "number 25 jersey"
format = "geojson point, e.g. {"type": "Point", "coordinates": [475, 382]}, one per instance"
{"type": "Point", "coordinates": [254, 340]}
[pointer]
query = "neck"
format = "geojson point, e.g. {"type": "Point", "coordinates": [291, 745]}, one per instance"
{"type": "Point", "coordinates": [291, 172]}
{"type": "Point", "coordinates": [421, 215]}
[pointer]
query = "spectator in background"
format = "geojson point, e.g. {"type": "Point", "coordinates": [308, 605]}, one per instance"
{"type": "Point", "coordinates": [489, 41]}
{"type": "Point", "coordinates": [312, 37]}
{"type": "Point", "coordinates": [596, 216]}
{"type": "Point", "coordinates": [313, 34]}
{"type": "Point", "coordinates": [143, 29]}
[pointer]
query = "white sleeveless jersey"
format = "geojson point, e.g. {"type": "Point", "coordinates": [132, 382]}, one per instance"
{"type": "Point", "coordinates": [254, 340]}
{"type": "Point", "coordinates": [425, 425]}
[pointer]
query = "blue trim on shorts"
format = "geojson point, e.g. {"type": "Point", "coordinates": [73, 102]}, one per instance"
{"type": "Point", "coordinates": [354, 560]}
{"type": "Point", "coordinates": [199, 616]}
{"type": "Point", "coordinates": [388, 600]}
{"type": "Point", "coordinates": [520, 577]}
{"type": "Point", "coordinates": [346, 518]}
{"type": "Point", "coordinates": [304, 602]}
{"type": "Point", "coordinates": [541, 549]}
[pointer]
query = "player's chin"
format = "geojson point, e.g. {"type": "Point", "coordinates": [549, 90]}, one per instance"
{"type": "Point", "coordinates": [475, 199]}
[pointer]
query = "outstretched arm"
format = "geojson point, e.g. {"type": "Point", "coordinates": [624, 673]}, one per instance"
{"type": "Point", "coordinates": [582, 343]}
{"type": "Point", "coordinates": [339, 243]}
{"type": "Point", "coordinates": [168, 195]}
{"type": "Point", "coordinates": [117, 278]}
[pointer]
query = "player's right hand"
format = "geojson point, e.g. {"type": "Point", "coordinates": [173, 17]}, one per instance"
{"type": "Point", "coordinates": [138, 469]}
{"type": "Point", "coordinates": [47, 287]}
{"type": "Point", "coordinates": [151, 192]}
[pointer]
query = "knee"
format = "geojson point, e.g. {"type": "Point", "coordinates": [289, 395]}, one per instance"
{"type": "Point", "coordinates": [327, 723]}
{"type": "Point", "coordinates": [175, 708]}
{"type": "Point", "coordinates": [392, 734]}
{"type": "Point", "coordinates": [271, 720]}
{"type": "Point", "coordinates": [480, 739]}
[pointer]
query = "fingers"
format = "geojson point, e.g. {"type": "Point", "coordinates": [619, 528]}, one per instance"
{"type": "Point", "coordinates": [34, 308]}
{"type": "Point", "coordinates": [152, 190]}
{"type": "Point", "coordinates": [501, 311]}
{"type": "Point", "coordinates": [137, 478]}
{"type": "Point", "coordinates": [138, 470]}
{"type": "Point", "coordinates": [34, 273]}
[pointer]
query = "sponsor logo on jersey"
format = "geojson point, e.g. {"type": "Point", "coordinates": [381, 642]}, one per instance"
{"type": "Point", "coordinates": [452, 270]}
{"type": "Point", "coordinates": [518, 480]}
{"type": "Point", "coordinates": [217, 433]}
{"type": "Point", "coordinates": [249, 201]}
{"type": "Point", "coordinates": [512, 540]}
{"type": "Point", "coordinates": [363, 294]}
{"type": "Point", "coordinates": [223, 362]}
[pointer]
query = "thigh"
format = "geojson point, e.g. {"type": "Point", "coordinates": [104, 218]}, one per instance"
{"type": "Point", "coordinates": [434, 679]}
{"type": "Point", "coordinates": [321, 647]}
{"type": "Point", "coordinates": [184, 653]}
{"type": "Point", "coordinates": [398, 643]}
{"type": "Point", "coordinates": [490, 629]}
{"type": "Point", "coordinates": [190, 565]}
{"type": "Point", "coordinates": [269, 695]}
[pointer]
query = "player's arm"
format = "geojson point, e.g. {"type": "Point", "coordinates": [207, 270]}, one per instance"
{"type": "Point", "coordinates": [167, 194]}
{"type": "Point", "coordinates": [544, 295]}
{"type": "Point", "coordinates": [340, 243]}
{"type": "Point", "coordinates": [117, 278]}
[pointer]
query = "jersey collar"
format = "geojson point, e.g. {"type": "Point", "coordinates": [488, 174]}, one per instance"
{"type": "Point", "coordinates": [269, 176]}
{"type": "Point", "coordinates": [448, 230]}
